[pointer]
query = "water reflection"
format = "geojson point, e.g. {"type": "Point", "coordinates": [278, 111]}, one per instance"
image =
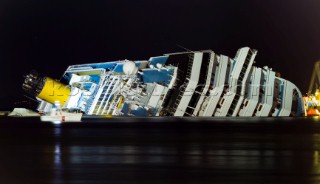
{"type": "Point", "coordinates": [57, 155]}
{"type": "Point", "coordinates": [191, 155]}
{"type": "Point", "coordinates": [63, 154]}
{"type": "Point", "coordinates": [226, 158]}
{"type": "Point", "coordinates": [58, 167]}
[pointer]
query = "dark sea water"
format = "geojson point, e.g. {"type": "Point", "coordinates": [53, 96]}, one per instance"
{"type": "Point", "coordinates": [160, 150]}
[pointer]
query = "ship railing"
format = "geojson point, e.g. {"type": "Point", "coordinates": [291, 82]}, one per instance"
{"type": "Point", "coordinates": [188, 114]}
{"type": "Point", "coordinates": [106, 94]}
{"type": "Point", "coordinates": [240, 79]}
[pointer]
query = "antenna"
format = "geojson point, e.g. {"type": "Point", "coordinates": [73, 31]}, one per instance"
{"type": "Point", "coordinates": [31, 98]}
{"type": "Point", "coordinates": [184, 48]}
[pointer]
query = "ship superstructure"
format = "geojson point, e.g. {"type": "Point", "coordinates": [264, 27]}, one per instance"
{"type": "Point", "coordinates": [197, 83]}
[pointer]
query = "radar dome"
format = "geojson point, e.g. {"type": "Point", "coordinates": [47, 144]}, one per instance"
{"type": "Point", "coordinates": [129, 68]}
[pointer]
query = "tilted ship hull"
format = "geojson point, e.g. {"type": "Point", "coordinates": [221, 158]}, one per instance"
{"type": "Point", "coordinates": [199, 83]}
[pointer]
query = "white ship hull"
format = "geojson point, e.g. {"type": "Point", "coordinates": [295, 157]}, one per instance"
{"type": "Point", "coordinates": [199, 83]}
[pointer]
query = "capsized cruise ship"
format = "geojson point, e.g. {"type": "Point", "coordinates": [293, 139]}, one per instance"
{"type": "Point", "coordinates": [196, 83]}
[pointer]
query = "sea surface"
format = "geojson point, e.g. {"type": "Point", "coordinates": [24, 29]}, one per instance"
{"type": "Point", "coordinates": [160, 150]}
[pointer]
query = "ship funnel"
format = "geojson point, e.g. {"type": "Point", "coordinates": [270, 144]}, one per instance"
{"type": "Point", "coordinates": [46, 88]}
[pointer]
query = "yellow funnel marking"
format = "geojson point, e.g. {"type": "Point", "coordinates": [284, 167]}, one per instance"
{"type": "Point", "coordinates": [53, 91]}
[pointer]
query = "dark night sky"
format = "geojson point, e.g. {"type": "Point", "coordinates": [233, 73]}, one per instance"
{"type": "Point", "coordinates": [50, 35]}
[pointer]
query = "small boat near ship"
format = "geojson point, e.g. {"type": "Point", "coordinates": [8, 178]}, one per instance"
{"type": "Point", "coordinates": [58, 114]}
{"type": "Point", "coordinates": [62, 116]}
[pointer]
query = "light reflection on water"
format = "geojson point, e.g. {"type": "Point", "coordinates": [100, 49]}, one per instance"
{"type": "Point", "coordinates": [58, 154]}
{"type": "Point", "coordinates": [223, 159]}
{"type": "Point", "coordinates": [58, 167]}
